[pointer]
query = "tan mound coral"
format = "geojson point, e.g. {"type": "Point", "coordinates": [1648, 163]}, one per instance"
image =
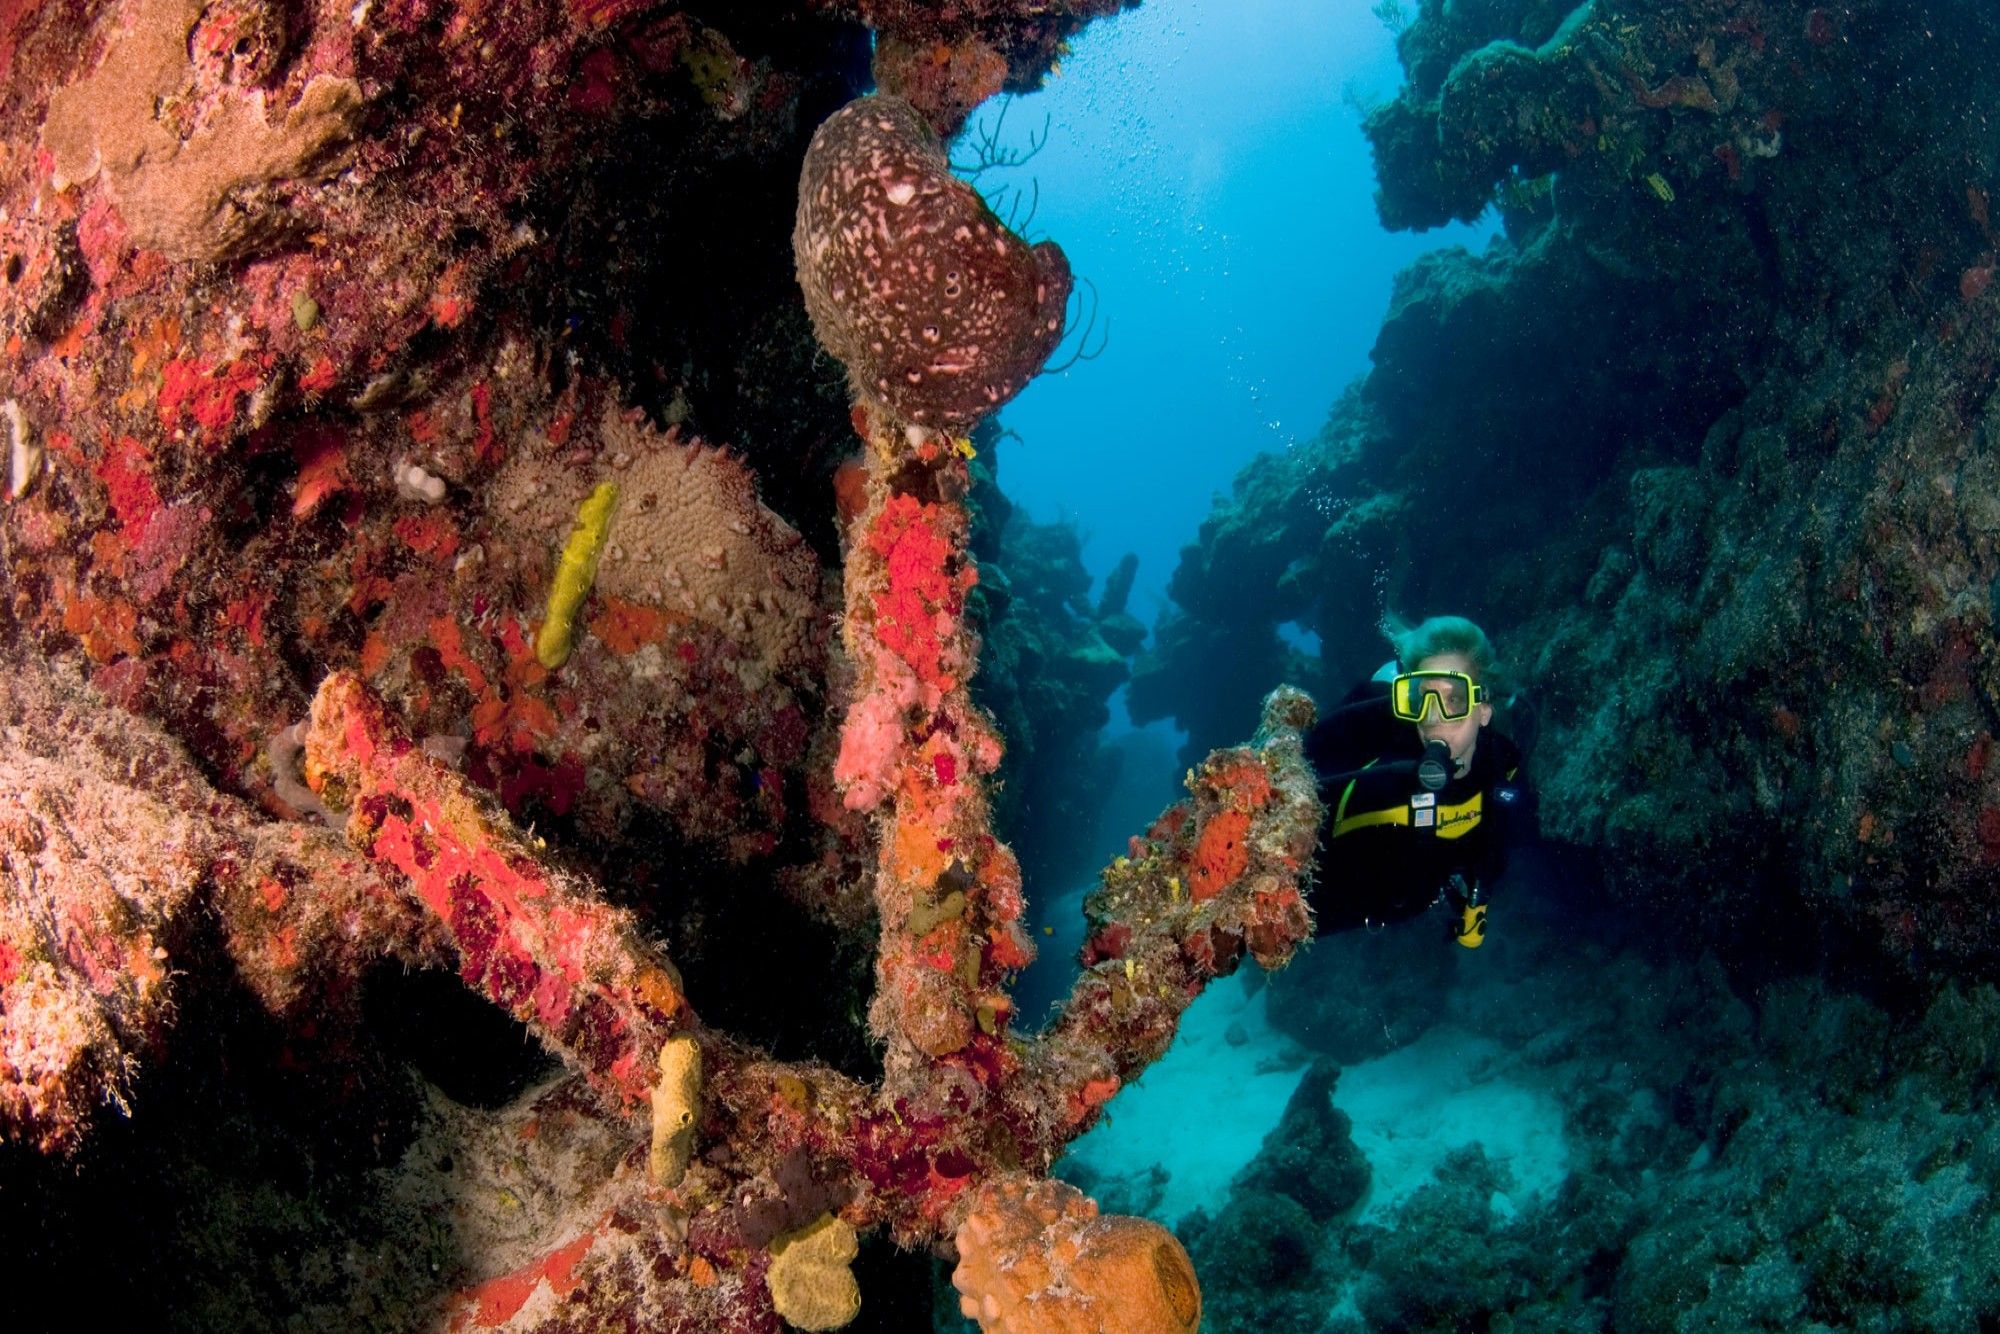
{"type": "Point", "coordinates": [191, 192]}
{"type": "Point", "coordinates": [1035, 1257]}
{"type": "Point", "coordinates": [689, 537]}
{"type": "Point", "coordinates": [931, 303]}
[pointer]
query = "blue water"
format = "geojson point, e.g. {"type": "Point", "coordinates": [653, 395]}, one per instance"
{"type": "Point", "coordinates": [1202, 165]}
{"type": "Point", "coordinates": [1204, 169]}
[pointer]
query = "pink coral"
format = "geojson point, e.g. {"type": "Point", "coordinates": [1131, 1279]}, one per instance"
{"type": "Point", "coordinates": [916, 613]}
{"type": "Point", "coordinates": [870, 744]}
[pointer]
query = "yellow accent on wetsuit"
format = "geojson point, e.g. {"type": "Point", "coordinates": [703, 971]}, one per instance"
{"type": "Point", "coordinates": [1452, 821]}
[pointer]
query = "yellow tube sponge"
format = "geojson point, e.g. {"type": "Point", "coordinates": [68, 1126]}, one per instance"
{"type": "Point", "coordinates": [574, 573]}
{"type": "Point", "coordinates": [811, 1282]}
{"type": "Point", "coordinates": [675, 1098]}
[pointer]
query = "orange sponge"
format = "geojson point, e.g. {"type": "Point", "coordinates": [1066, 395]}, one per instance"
{"type": "Point", "coordinates": [1035, 1256]}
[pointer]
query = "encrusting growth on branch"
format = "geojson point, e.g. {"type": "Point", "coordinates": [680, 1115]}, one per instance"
{"type": "Point", "coordinates": [531, 939]}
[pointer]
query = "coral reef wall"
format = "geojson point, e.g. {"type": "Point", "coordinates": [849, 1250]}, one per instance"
{"type": "Point", "coordinates": [1803, 1157]}
{"type": "Point", "coordinates": [1707, 439]}
{"type": "Point", "coordinates": [495, 827]}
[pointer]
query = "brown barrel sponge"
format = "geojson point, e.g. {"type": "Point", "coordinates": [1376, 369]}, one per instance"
{"type": "Point", "coordinates": [931, 303]}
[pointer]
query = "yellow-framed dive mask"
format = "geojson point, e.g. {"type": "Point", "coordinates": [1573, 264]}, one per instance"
{"type": "Point", "coordinates": [1453, 695]}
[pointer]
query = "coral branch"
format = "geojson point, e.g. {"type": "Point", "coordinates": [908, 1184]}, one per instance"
{"type": "Point", "coordinates": [1216, 878]}
{"type": "Point", "coordinates": [528, 937]}
{"type": "Point", "coordinates": [948, 894]}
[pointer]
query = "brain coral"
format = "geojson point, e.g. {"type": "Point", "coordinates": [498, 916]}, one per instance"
{"type": "Point", "coordinates": [931, 303]}
{"type": "Point", "coordinates": [1034, 1256]}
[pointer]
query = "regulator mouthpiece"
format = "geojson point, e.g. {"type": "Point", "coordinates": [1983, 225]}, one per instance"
{"type": "Point", "coordinates": [1435, 768]}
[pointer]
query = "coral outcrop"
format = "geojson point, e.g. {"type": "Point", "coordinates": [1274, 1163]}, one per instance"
{"type": "Point", "coordinates": [1718, 468]}
{"type": "Point", "coordinates": [1265, 1251]}
{"type": "Point", "coordinates": [209, 177]}
{"type": "Point", "coordinates": [1800, 1156]}
{"type": "Point", "coordinates": [1310, 1155]}
{"type": "Point", "coordinates": [945, 59]}
{"type": "Point", "coordinates": [378, 586]}
{"type": "Point", "coordinates": [113, 848]}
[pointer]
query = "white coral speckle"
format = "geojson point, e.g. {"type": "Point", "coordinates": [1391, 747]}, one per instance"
{"type": "Point", "coordinates": [24, 452]}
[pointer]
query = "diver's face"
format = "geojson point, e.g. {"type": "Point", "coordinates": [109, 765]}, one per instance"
{"type": "Point", "coordinates": [1463, 735]}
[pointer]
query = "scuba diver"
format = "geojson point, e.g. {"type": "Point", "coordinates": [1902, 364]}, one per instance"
{"type": "Point", "coordinates": [1424, 801]}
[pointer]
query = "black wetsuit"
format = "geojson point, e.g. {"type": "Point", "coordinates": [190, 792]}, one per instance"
{"type": "Point", "coordinates": [1388, 849]}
